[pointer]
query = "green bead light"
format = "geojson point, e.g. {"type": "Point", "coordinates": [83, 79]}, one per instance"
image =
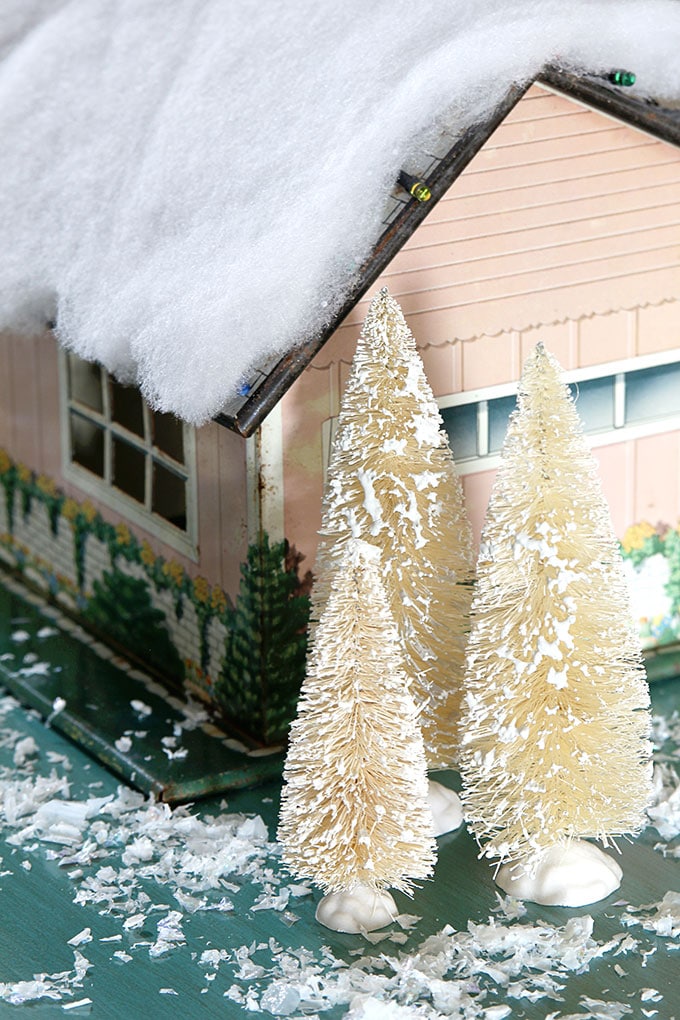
{"type": "Point", "coordinates": [623, 78]}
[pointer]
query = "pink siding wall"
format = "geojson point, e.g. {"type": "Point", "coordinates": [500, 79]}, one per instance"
{"type": "Point", "coordinates": [640, 480]}
{"type": "Point", "coordinates": [563, 229]}
{"type": "Point", "coordinates": [29, 396]}
{"type": "Point", "coordinates": [29, 431]}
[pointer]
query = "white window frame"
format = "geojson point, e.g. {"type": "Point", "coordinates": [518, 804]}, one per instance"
{"type": "Point", "coordinates": [621, 432]}
{"type": "Point", "coordinates": [102, 489]}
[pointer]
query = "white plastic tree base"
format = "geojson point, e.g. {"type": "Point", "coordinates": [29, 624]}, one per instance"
{"type": "Point", "coordinates": [568, 875]}
{"type": "Point", "coordinates": [446, 808]}
{"type": "Point", "coordinates": [356, 910]}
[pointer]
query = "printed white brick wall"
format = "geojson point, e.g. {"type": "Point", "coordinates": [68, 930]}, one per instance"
{"type": "Point", "coordinates": [97, 560]}
{"type": "Point", "coordinates": [50, 560]}
{"type": "Point", "coordinates": [216, 637]}
{"type": "Point", "coordinates": [35, 532]}
{"type": "Point", "coordinates": [185, 632]}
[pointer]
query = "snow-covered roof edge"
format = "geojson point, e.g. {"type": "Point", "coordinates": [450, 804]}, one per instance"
{"type": "Point", "coordinates": [632, 109]}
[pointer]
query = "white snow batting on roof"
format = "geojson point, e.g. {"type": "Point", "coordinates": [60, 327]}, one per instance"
{"type": "Point", "coordinates": [188, 188]}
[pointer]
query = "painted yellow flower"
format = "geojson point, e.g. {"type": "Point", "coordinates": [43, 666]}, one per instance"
{"type": "Point", "coordinates": [88, 511]}
{"type": "Point", "coordinates": [218, 600]}
{"type": "Point", "coordinates": [174, 571]}
{"type": "Point", "coordinates": [5, 461]}
{"type": "Point", "coordinates": [25, 473]}
{"type": "Point", "coordinates": [147, 554]}
{"type": "Point", "coordinates": [201, 589]}
{"type": "Point", "coordinates": [123, 536]}
{"type": "Point", "coordinates": [47, 486]}
{"type": "Point", "coordinates": [636, 534]}
{"type": "Point", "coordinates": [70, 509]}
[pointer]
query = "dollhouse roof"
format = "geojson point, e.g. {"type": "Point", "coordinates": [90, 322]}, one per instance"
{"type": "Point", "coordinates": [197, 201]}
{"type": "Point", "coordinates": [658, 118]}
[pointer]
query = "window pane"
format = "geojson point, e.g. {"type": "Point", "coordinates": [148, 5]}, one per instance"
{"type": "Point", "coordinates": [652, 393]}
{"type": "Point", "coordinates": [169, 496]}
{"type": "Point", "coordinates": [85, 383]}
{"type": "Point", "coordinates": [87, 444]}
{"type": "Point", "coordinates": [168, 435]}
{"type": "Point", "coordinates": [595, 403]}
{"type": "Point", "coordinates": [461, 427]}
{"type": "Point", "coordinates": [126, 407]}
{"type": "Point", "coordinates": [499, 412]}
{"type": "Point", "coordinates": [128, 469]}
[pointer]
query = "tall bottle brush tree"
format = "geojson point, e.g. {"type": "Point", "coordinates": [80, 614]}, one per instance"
{"type": "Point", "coordinates": [354, 817]}
{"type": "Point", "coordinates": [555, 726]}
{"type": "Point", "coordinates": [392, 481]}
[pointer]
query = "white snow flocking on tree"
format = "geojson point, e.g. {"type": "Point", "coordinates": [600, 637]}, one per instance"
{"type": "Point", "coordinates": [392, 482]}
{"type": "Point", "coordinates": [188, 188]}
{"type": "Point", "coordinates": [555, 725]}
{"type": "Point", "coordinates": [353, 814]}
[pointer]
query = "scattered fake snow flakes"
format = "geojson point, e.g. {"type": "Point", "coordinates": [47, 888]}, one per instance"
{"type": "Point", "coordinates": [662, 918]}
{"type": "Point", "coordinates": [172, 848]}
{"type": "Point", "coordinates": [664, 809]}
{"type": "Point", "coordinates": [596, 1009]}
{"type": "Point", "coordinates": [450, 974]}
{"type": "Point", "coordinates": [666, 735]}
{"type": "Point", "coordinates": [140, 708]}
{"type": "Point", "coordinates": [46, 986]}
{"type": "Point", "coordinates": [123, 744]}
{"type": "Point", "coordinates": [81, 938]}
{"type": "Point", "coordinates": [46, 632]}
{"type": "Point", "coordinates": [195, 861]}
{"type": "Point", "coordinates": [170, 934]}
{"type": "Point", "coordinates": [58, 705]}
{"type": "Point", "coordinates": [24, 749]}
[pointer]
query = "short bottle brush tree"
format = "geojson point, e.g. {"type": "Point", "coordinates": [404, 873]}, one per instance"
{"type": "Point", "coordinates": [555, 725]}
{"type": "Point", "coordinates": [354, 817]}
{"type": "Point", "coordinates": [392, 482]}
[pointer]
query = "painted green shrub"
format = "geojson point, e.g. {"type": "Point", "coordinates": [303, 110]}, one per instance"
{"type": "Point", "coordinates": [121, 608]}
{"type": "Point", "coordinates": [265, 648]}
{"type": "Point", "coordinates": [266, 644]}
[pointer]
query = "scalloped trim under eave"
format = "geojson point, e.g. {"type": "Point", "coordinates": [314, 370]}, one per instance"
{"type": "Point", "coordinates": [513, 313]}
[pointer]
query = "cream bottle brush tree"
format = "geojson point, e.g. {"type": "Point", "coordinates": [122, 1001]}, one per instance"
{"type": "Point", "coordinates": [354, 817]}
{"type": "Point", "coordinates": [555, 725]}
{"type": "Point", "coordinates": [392, 482]}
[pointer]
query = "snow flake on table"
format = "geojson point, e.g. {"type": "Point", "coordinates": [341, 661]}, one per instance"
{"type": "Point", "coordinates": [662, 918]}
{"type": "Point", "coordinates": [664, 809]}
{"type": "Point", "coordinates": [452, 973]}
{"type": "Point", "coordinates": [150, 870]}
{"type": "Point", "coordinates": [46, 986]}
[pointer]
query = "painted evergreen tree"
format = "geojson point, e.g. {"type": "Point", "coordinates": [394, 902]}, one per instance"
{"type": "Point", "coordinates": [555, 720]}
{"type": "Point", "coordinates": [353, 810]}
{"type": "Point", "coordinates": [121, 608]}
{"type": "Point", "coordinates": [392, 482]}
{"type": "Point", "coordinates": [266, 644]}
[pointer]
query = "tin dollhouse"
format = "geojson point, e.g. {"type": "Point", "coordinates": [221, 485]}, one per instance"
{"type": "Point", "coordinates": [190, 549]}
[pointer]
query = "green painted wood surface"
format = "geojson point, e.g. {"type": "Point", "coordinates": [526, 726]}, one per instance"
{"type": "Point", "coordinates": [98, 696]}
{"type": "Point", "coordinates": [38, 915]}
